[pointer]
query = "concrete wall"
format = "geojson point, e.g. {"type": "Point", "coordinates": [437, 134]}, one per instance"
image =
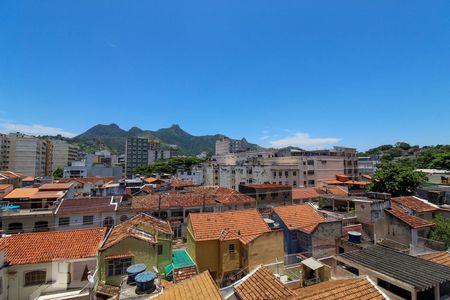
{"type": "Point", "coordinates": [76, 220]}
{"type": "Point", "coordinates": [266, 249]}
{"type": "Point", "coordinates": [323, 239]}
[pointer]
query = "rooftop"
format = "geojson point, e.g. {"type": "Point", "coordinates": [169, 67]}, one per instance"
{"type": "Point", "coordinates": [261, 284]}
{"type": "Point", "coordinates": [87, 179]}
{"type": "Point", "coordinates": [417, 272]}
{"type": "Point", "coordinates": [130, 228]}
{"type": "Point", "coordinates": [40, 247]}
{"type": "Point", "coordinates": [244, 225]}
{"type": "Point", "coordinates": [416, 204]}
{"type": "Point", "coordinates": [344, 289]}
{"type": "Point", "coordinates": [84, 205]}
{"type": "Point", "coordinates": [48, 195]}
{"type": "Point", "coordinates": [442, 258]}
{"type": "Point", "coordinates": [21, 193]}
{"type": "Point", "coordinates": [5, 186]}
{"type": "Point", "coordinates": [201, 287]}
{"type": "Point", "coordinates": [268, 186]}
{"type": "Point", "coordinates": [402, 215]}
{"type": "Point", "coordinates": [299, 217]}
{"type": "Point", "coordinates": [55, 186]}
{"type": "Point", "coordinates": [304, 193]}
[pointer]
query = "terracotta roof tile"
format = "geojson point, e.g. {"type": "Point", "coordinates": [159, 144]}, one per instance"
{"type": "Point", "coordinates": [415, 204]}
{"type": "Point", "coordinates": [184, 273]}
{"type": "Point", "coordinates": [87, 179]}
{"type": "Point", "coordinates": [199, 287]}
{"type": "Point", "coordinates": [347, 289]}
{"type": "Point", "coordinates": [48, 195]}
{"type": "Point", "coordinates": [331, 190]}
{"type": "Point", "coordinates": [5, 186]}
{"type": "Point", "coordinates": [402, 215]}
{"type": "Point", "coordinates": [85, 205]}
{"type": "Point", "coordinates": [262, 284]}
{"type": "Point", "coordinates": [442, 258]}
{"type": "Point", "coordinates": [304, 193]}
{"type": "Point", "coordinates": [178, 182]}
{"type": "Point", "coordinates": [55, 186]}
{"type": "Point", "coordinates": [39, 247]}
{"type": "Point", "coordinates": [195, 196]}
{"type": "Point", "coordinates": [302, 217]}
{"type": "Point", "coordinates": [129, 229]}
{"type": "Point", "coordinates": [21, 193]}
{"type": "Point", "coordinates": [244, 225]}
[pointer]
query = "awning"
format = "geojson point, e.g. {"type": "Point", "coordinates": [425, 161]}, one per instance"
{"type": "Point", "coordinates": [312, 263]}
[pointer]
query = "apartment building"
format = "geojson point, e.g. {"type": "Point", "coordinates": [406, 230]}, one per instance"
{"type": "Point", "coordinates": [28, 155]}
{"type": "Point", "coordinates": [63, 154]}
{"type": "Point", "coordinates": [226, 145]}
{"type": "Point", "coordinates": [367, 165]}
{"type": "Point", "coordinates": [293, 168]}
{"type": "Point", "coordinates": [5, 146]}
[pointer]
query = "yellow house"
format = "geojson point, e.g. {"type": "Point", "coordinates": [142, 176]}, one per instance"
{"type": "Point", "coordinates": [230, 244]}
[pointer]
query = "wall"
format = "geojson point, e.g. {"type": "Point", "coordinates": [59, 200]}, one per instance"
{"type": "Point", "coordinates": [397, 230]}
{"type": "Point", "coordinates": [76, 220]}
{"type": "Point", "coordinates": [323, 238]}
{"type": "Point", "coordinates": [265, 249]}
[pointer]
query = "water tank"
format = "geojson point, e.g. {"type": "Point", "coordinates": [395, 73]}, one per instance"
{"type": "Point", "coordinates": [354, 237]}
{"type": "Point", "coordinates": [145, 282]}
{"type": "Point", "coordinates": [134, 270]}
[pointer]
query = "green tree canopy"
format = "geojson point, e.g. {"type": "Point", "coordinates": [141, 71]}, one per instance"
{"type": "Point", "coordinates": [169, 166]}
{"type": "Point", "coordinates": [441, 230]}
{"type": "Point", "coordinates": [396, 179]}
{"type": "Point", "coordinates": [58, 173]}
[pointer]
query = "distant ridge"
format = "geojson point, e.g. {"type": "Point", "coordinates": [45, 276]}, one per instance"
{"type": "Point", "coordinates": [113, 137]}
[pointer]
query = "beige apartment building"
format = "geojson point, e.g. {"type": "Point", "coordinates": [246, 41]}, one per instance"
{"type": "Point", "coordinates": [63, 154]}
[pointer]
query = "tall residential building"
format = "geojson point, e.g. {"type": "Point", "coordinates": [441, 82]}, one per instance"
{"type": "Point", "coordinates": [63, 154]}
{"type": "Point", "coordinates": [368, 165]}
{"type": "Point", "coordinates": [28, 155]}
{"type": "Point", "coordinates": [5, 146]}
{"type": "Point", "coordinates": [136, 153]}
{"type": "Point", "coordinates": [226, 145]}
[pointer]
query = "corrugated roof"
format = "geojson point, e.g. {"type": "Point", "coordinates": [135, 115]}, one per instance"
{"type": "Point", "coordinates": [417, 272]}
{"type": "Point", "coordinates": [21, 193]}
{"type": "Point", "coordinates": [55, 186]}
{"type": "Point", "coordinates": [85, 205]}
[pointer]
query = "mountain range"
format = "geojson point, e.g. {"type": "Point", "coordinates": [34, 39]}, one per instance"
{"type": "Point", "coordinates": [113, 137]}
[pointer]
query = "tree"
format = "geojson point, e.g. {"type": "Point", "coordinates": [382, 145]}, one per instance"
{"type": "Point", "coordinates": [396, 179]}
{"type": "Point", "coordinates": [441, 230]}
{"type": "Point", "coordinates": [441, 161]}
{"type": "Point", "coordinates": [169, 166]}
{"type": "Point", "coordinates": [58, 173]}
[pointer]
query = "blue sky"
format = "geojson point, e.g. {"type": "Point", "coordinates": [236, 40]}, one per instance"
{"type": "Point", "coordinates": [307, 73]}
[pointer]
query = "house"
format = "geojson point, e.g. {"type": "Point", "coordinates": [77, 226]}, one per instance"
{"type": "Point", "coordinates": [5, 189]}
{"type": "Point", "coordinates": [84, 186]}
{"type": "Point", "coordinates": [175, 206]}
{"type": "Point", "coordinates": [30, 209]}
{"type": "Point", "coordinates": [230, 244]}
{"type": "Point", "coordinates": [268, 194]}
{"type": "Point", "coordinates": [199, 287]}
{"type": "Point", "coordinates": [8, 177]}
{"type": "Point", "coordinates": [417, 207]}
{"type": "Point", "coordinates": [354, 187]}
{"type": "Point", "coordinates": [142, 239]}
{"type": "Point", "coordinates": [54, 264]}
{"type": "Point", "coordinates": [403, 227]}
{"type": "Point", "coordinates": [306, 231]}
{"type": "Point", "coordinates": [398, 273]}
{"type": "Point", "coordinates": [86, 212]}
{"type": "Point", "coordinates": [302, 195]}
{"type": "Point", "coordinates": [442, 257]}
{"type": "Point", "coordinates": [68, 188]}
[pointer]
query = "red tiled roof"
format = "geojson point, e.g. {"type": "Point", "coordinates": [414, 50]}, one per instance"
{"type": "Point", "coordinates": [345, 289]}
{"type": "Point", "coordinates": [268, 186]}
{"type": "Point", "coordinates": [402, 215]}
{"type": "Point", "coordinates": [245, 225]}
{"type": "Point", "coordinates": [5, 186]}
{"type": "Point", "coordinates": [415, 204]}
{"type": "Point", "coordinates": [355, 182]}
{"type": "Point", "coordinates": [304, 193]}
{"type": "Point", "coordinates": [442, 258]}
{"type": "Point", "coordinates": [301, 217]}
{"type": "Point", "coordinates": [40, 247]}
{"type": "Point", "coordinates": [195, 196]}
{"type": "Point", "coordinates": [262, 284]}
{"type": "Point", "coordinates": [129, 229]}
{"type": "Point", "coordinates": [152, 180]}
{"type": "Point", "coordinates": [184, 273]}
{"type": "Point", "coordinates": [55, 186]}
{"type": "Point", "coordinates": [178, 182]}
{"type": "Point", "coordinates": [21, 193]}
{"type": "Point", "coordinates": [333, 190]}
{"type": "Point", "coordinates": [86, 205]}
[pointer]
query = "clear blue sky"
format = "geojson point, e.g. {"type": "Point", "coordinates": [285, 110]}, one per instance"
{"type": "Point", "coordinates": [314, 73]}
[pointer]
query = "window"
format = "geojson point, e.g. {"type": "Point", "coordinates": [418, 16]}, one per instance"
{"type": "Point", "coordinates": [64, 221]}
{"type": "Point", "coordinates": [274, 195]}
{"type": "Point", "coordinates": [118, 267]}
{"type": "Point", "coordinates": [294, 173]}
{"type": "Point", "coordinates": [35, 277]}
{"type": "Point", "coordinates": [231, 248]}
{"type": "Point", "coordinates": [108, 222]}
{"type": "Point", "coordinates": [15, 227]}
{"type": "Point", "coordinates": [310, 172]}
{"type": "Point", "coordinates": [310, 162]}
{"type": "Point", "coordinates": [88, 220]}
{"type": "Point", "coordinates": [40, 226]}
{"type": "Point", "coordinates": [286, 173]}
{"type": "Point", "coordinates": [160, 249]}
